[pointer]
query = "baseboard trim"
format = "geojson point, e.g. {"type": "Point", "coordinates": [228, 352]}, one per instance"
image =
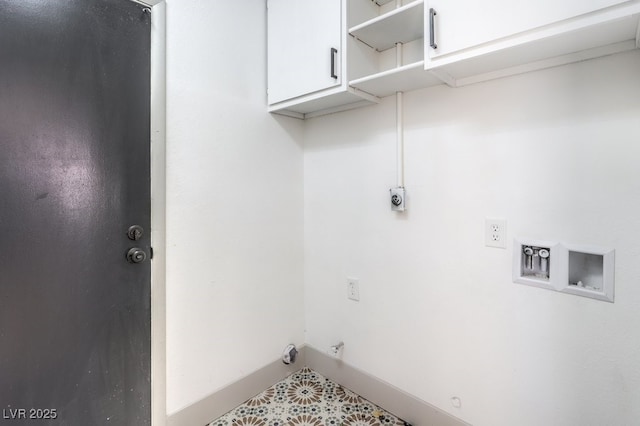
{"type": "Point", "coordinates": [387, 396]}
{"type": "Point", "coordinates": [392, 399]}
{"type": "Point", "coordinates": [226, 399]}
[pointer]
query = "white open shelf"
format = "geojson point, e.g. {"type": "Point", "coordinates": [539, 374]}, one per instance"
{"type": "Point", "coordinates": [404, 25]}
{"type": "Point", "coordinates": [401, 79]}
{"type": "Point", "coordinates": [401, 25]}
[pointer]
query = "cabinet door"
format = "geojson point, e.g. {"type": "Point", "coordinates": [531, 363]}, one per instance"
{"type": "Point", "coordinates": [301, 35]}
{"type": "Point", "coordinates": [463, 24]}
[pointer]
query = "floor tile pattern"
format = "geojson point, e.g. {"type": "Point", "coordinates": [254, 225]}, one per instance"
{"type": "Point", "coordinates": [306, 398]}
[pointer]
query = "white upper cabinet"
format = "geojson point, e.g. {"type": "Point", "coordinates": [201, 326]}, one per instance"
{"type": "Point", "coordinates": [464, 24]}
{"type": "Point", "coordinates": [332, 55]}
{"type": "Point", "coordinates": [468, 41]}
{"type": "Point", "coordinates": [306, 50]}
{"type": "Point", "coordinates": [304, 40]}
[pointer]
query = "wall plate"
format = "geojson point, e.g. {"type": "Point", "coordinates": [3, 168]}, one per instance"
{"type": "Point", "coordinates": [353, 289]}
{"type": "Point", "coordinates": [495, 232]}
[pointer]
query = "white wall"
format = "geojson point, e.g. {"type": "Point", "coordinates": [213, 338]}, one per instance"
{"type": "Point", "coordinates": [556, 153]}
{"type": "Point", "coordinates": [235, 203]}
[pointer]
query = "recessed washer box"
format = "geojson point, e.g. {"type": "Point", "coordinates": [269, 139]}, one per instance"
{"type": "Point", "coordinates": [590, 272]}
{"type": "Point", "coordinates": [586, 271]}
{"type": "Point", "coordinates": [538, 263]}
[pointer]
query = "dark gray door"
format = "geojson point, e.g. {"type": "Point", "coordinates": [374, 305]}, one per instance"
{"type": "Point", "coordinates": [74, 175]}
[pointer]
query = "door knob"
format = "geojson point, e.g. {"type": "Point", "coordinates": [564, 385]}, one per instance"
{"type": "Point", "coordinates": [135, 232]}
{"type": "Point", "coordinates": [136, 255]}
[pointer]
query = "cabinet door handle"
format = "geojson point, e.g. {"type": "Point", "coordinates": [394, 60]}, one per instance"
{"type": "Point", "coordinates": [333, 62]}
{"type": "Point", "coordinates": [432, 32]}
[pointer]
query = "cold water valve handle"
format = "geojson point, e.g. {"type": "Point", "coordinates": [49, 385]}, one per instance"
{"type": "Point", "coordinates": [544, 260]}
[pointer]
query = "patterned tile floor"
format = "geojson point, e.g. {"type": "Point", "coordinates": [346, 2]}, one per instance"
{"type": "Point", "coordinates": [306, 398]}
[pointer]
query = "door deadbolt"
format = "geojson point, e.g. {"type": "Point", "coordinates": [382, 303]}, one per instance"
{"type": "Point", "coordinates": [136, 255]}
{"type": "Point", "coordinates": [135, 232]}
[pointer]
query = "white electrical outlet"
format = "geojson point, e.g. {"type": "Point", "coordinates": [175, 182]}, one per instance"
{"type": "Point", "coordinates": [495, 232]}
{"type": "Point", "coordinates": [353, 289]}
